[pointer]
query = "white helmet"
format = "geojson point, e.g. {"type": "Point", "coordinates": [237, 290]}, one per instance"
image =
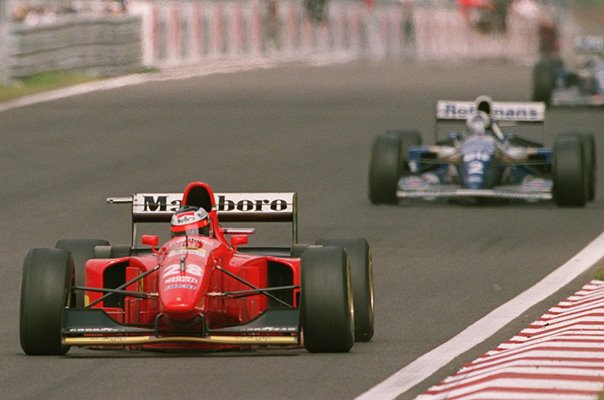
{"type": "Point", "coordinates": [478, 122]}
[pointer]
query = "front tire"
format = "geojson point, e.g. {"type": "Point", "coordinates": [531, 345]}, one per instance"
{"type": "Point", "coordinates": [569, 172]}
{"type": "Point", "coordinates": [384, 170]}
{"type": "Point", "coordinates": [361, 276]}
{"type": "Point", "coordinates": [326, 310]}
{"type": "Point", "coordinates": [389, 161]}
{"type": "Point", "coordinates": [45, 293]}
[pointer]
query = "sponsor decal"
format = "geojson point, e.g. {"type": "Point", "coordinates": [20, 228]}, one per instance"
{"type": "Point", "coordinates": [501, 111]}
{"type": "Point", "coordinates": [168, 203]}
{"type": "Point", "coordinates": [187, 251]}
{"type": "Point", "coordinates": [184, 218]}
{"type": "Point", "coordinates": [95, 330]}
{"type": "Point", "coordinates": [270, 329]}
{"type": "Point", "coordinates": [181, 286]}
{"type": "Point", "coordinates": [181, 279]}
{"type": "Point", "coordinates": [160, 203]}
{"type": "Point", "coordinates": [253, 205]}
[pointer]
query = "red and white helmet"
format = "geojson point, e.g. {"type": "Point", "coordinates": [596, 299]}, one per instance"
{"type": "Point", "coordinates": [190, 221]}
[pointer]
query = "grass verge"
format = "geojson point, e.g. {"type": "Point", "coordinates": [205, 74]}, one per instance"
{"type": "Point", "coordinates": [51, 80]}
{"type": "Point", "coordinates": [43, 82]}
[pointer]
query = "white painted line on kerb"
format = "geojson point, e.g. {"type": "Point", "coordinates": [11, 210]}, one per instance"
{"type": "Point", "coordinates": [481, 330]}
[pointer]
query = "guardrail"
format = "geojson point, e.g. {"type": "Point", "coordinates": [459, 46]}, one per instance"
{"type": "Point", "coordinates": [103, 45]}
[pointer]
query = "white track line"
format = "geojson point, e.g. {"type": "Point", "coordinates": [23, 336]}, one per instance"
{"type": "Point", "coordinates": [481, 330]}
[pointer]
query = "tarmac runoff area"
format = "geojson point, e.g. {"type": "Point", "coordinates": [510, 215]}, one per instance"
{"type": "Point", "coordinates": [559, 356]}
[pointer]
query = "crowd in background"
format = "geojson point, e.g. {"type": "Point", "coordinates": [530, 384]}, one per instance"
{"type": "Point", "coordinates": [33, 12]}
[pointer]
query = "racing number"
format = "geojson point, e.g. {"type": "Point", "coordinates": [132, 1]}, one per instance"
{"type": "Point", "coordinates": [476, 162]}
{"type": "Point", "coordinates": [475, 168]}
{"type": "Point", "coordinates": [192, 269]}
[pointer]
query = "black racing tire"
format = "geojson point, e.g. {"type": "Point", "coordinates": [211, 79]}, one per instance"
{"type": "Point", "coordinates": [361, 276]}
{"type": "Point", "coordinates": [81, 250]}
{"type": "Point", "coordinates": [326, 308]}
{"type": "Point", "coordinates": [589, 152]}
{"type": "Point", "coordinates": [407, 139]}
{"type": "Point", "coordinates": [544, 79]}
{"type": "Point", "coordinates": [389, 162]}
{"type": "Point", "coordinates": [570, 181]}
{"type": "Point", "coordinates": [384, 169]}
{"type": "Point", "coordinates": [45, 293]}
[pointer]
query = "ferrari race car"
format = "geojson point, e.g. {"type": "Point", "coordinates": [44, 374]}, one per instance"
{"type": "Point", "coordinates": [556, 85]}
{"type": "Point", "coordinates": [490, 162]}
{"type": "Point", "coordinates": [198, 291]}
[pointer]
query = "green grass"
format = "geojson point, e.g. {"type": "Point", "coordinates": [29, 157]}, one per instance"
{"type": "Point", "coordinates": [600, 274]}
{"type": "Point", "coordinates": [42, 82]}
{"type": "Point", "coordinates": [45, 81]}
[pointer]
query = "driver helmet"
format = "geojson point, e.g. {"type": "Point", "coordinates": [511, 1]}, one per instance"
{"type": "Point", "coordinates": [477, 122]}
{"type": "Point", "coordinates": [190, 221]}
{"type": "Point", "coordinates": [484, 104]}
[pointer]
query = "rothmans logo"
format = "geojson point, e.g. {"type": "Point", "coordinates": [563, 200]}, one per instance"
{"type": "Point", "coordinates": [501, 111]}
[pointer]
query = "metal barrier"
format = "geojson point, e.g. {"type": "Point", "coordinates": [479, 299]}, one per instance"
{"type": "Point", "coordinates": [97, 44]}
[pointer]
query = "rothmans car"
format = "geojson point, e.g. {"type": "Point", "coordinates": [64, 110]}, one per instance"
{"type": "Point", "coordinates": [204, 288]}
{"type": "Point", "coordinates": [557, 85]}
{"type": "Point", "coordinates": [484, 157]}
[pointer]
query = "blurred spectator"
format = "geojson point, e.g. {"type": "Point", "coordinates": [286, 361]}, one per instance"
{"type": "Point", "coordinates": [549, 43]}
{"type": "Point", "coordinates": [486, 16]}
{"type": "Point", "coordinates": [272, 25]}
{"type": "Point", "coordinates": [316, 9]}
{"type": "Point", "coordinates": [408, 29]}
{"type": "Point", "coordinates": [35, 12]}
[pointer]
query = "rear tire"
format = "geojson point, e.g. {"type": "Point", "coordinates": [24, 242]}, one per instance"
{"type": "Point", "coordinates": [361, 277]}
{"type": "Point", "coordinates": [45, 293]}
{"type": "Point", "coordinates": [569, 172]}
{"type": "Point", "coordinates": [81, 250]}
{"type": "Point", "coordinates": [326, 309]}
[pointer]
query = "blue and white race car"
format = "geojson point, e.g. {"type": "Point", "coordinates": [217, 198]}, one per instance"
{"type": "Point", "coordinates": [557, 85]}
{"type": "Point", "coordinates": [484, 159]}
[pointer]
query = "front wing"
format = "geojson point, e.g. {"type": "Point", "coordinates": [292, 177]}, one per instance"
{"type": "Point", "coordinates": [95, 328]}
{"type": "Point", "coordinates": [455, 191]}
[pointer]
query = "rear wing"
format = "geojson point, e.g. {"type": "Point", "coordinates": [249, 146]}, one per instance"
{"type": "Point", "coordinates": [589, 44]}
{"type": "Point", "coordinates": [447, 110]}
{"type": "Point", "coordinates": [230, 207]}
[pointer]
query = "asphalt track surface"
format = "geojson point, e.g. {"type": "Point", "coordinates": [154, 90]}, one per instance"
{"type": "Point", "coordinates": [438, 267]}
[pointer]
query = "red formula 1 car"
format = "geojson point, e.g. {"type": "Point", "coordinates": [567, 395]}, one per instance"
{"type": "Point", "coordinates": [198, 291]}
